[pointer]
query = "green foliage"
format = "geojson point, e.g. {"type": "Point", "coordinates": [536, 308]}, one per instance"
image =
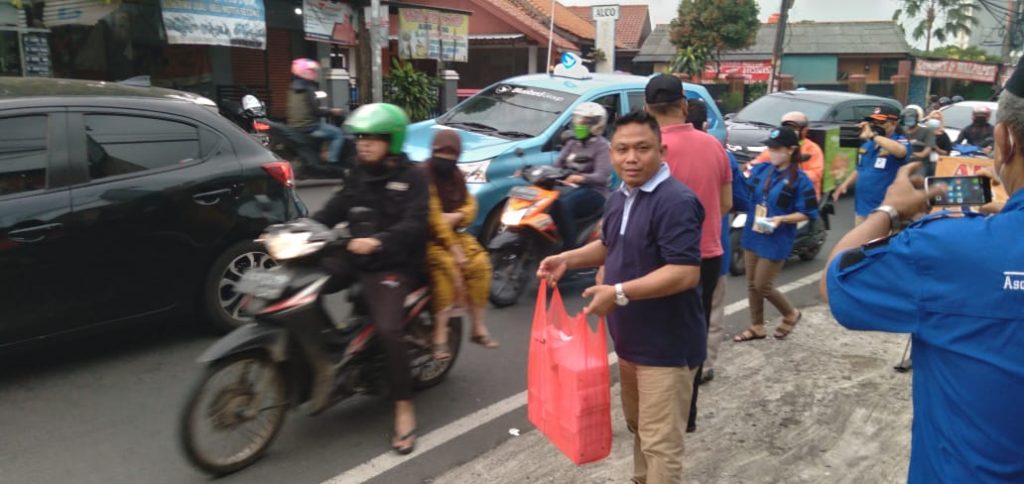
{"type": "Point", "coordinates": [939, 19]}
{"type": "Point", "coordinates": [756, 90]}
{"type": "Point", "coordinates": [411, 90]}
{"type": "Point", "coordinates": [711, 26]}
{"type": "Point", "coordinates": [596, 56]}
{"type": "Point", "coordinates": [972, 53]}
{"type": "Point", "coordinates": [732, 101]}
{"type": "Point", "coordinates": [690, 60]}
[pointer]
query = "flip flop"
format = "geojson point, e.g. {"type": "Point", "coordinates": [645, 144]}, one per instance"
{"type": "Point", "coordinates": [409, 448]}
{"type": "Point", "coordinates": [748, 335]}
{"type": "Point", "coordinates": [485, 340]}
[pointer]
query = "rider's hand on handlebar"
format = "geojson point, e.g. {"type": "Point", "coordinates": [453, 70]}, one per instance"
{"type": "Point", "coordinates": [575, 180]}
{"type": "Point", "coordinates": [552, 269]}
{"type": "Point", "coordinates": [364, 246]}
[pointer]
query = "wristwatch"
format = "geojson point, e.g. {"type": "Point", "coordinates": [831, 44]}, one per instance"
{"type": "Point", "coordinates": [895, 222]}
{"type": "Point", "coordinates": [620, 296]}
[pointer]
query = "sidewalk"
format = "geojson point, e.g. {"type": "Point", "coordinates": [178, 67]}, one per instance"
{"type": "Point", "coordinates": [822, 406]}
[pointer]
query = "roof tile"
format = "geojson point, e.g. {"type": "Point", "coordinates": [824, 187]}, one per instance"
{"type": "Point", "coordinates": [535, 30]}
{"type": "Point", "coordinates": [634, 21]}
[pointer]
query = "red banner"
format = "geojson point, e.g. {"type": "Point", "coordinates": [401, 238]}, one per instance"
{"type": "Point", "coordinates": [753, 71]}
{"type": "Point", "coordinates": [956, 69]}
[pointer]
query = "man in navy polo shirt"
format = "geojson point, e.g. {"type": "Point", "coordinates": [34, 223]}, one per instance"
{"type": "Point", "coordinates": [650, 248]}
{"type": "Point", "coordinates": [884, 151]}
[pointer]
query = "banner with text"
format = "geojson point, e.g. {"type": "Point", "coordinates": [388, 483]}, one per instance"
{"type": "Point", "coordinates": [236, 23]}
{"type": "Point", "coordinates": [429, 34]}
{"type": "Point", "coordinates": [329, 21]}
{"type": "Point", "coordinates": [752, 71]}
{"type": "Point", "coordinates": [956, 69]}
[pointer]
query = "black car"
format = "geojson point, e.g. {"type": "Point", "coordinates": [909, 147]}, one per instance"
{"type": "Point", "coordinates": [748, 128]}
{"type": "Point", "coordinates": [121, 203]}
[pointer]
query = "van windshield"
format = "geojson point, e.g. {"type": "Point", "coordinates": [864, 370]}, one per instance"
{"type": "Point", "coordinates": [509, 111]}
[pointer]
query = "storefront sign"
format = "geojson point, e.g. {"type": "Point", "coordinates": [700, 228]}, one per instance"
{"type": "Point", "coordinates": [752, 71]}
{"type": "Point", "coordinates": [237, 23]}
{"type": "Point", "coordinates": [429, 34]}
{"type": "Point", "coordinates": [955, 69]}
{"type": "Point", "coordinates": [35, 54]}
{"type": "Point", "coordinates": [77, 12]}
{"type": "Point", "coordinates": [329, 21]}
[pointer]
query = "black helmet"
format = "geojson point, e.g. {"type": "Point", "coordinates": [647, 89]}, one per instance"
{"type": "Point", "coordinates": [944, 101]}
{"type": "Point", "coordinates": [958, 99]}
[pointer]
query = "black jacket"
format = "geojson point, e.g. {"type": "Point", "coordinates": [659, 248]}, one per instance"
{"type": "Point", "coordinates": [400, 198]}
{"type": "Point", "coordinates": [304, 110]}
{"type": "Point", "coordinates": [976, 134]}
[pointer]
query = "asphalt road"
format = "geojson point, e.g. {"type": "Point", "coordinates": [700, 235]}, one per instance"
{"type": "Point", "coordinates": [104, 409]}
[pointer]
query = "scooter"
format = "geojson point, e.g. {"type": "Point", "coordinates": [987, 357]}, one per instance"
{"type": "Point", "coordinates": [810, 235]}
{"type": "Point", "coordinates": [527, 232]}
{"type": "Point", "coordinates": [294, 356]}
{"type": "Point", "coordinates": [291, 144]}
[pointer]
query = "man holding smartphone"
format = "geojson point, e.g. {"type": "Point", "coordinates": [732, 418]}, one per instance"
{"type": "Point", "coordinates": [955, 282]}
{"type": "Point", "coordinates": [884, 151]}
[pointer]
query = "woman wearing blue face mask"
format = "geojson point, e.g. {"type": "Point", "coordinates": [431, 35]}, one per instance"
{"type": "Point", "coordinates": [779, 196]}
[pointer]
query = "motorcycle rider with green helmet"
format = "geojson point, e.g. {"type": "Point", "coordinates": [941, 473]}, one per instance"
{"type": "Point", "coordinates": [388, 262]}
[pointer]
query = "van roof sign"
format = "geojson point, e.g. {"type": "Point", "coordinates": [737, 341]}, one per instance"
{"type": "Point", "coordinates": [572, 67]}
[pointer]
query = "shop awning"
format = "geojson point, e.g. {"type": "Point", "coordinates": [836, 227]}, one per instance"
{"type": "Point", "coordinates": [77, 12]}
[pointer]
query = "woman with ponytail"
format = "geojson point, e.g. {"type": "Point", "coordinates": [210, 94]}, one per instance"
{"type": "Point", "coordinates": [779, 196]}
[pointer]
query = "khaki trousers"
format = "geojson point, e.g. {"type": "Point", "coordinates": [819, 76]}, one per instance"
{"type": "Point", "coordinates": [656, 402]}
{"type": "Point", "coordinates": [761, 274]}
{"type": "Point", "coordinates": [715, 330]}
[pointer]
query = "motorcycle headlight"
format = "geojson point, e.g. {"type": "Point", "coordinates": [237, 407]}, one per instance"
{"type": "Point", "coordinates": [475, 172]}
{"type": "Point", "coordinates": [290, 245]}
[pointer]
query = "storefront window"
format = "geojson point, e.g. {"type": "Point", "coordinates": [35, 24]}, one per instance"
{"type": "Point", "coordinates": [10, 54]}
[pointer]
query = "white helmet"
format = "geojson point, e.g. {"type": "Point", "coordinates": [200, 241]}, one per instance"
{"type": "Point", "coordinates": [591, 114]}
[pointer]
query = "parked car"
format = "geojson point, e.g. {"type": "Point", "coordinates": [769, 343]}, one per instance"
{"type": "Point", "coordinates": [519, 122]}
{"type": "Point", "coordinates": [958, 116]}
{"type": "Point", "coordinates": [750, 126]}
{"type": "Point", "coordinates": [121, 203]}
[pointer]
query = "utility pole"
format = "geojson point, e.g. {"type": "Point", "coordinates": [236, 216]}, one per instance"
{"type": "Point", "coordinates": [1011, 19]}
{"type": "Point", "coordinates": [377, 79]}
{"type": "Point", "coordinates": [780, 37]}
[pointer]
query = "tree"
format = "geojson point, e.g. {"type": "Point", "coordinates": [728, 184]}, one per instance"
{"type": "Point", "coordinates": [690, 60]}
{"type": "Point", "coordinates": [941, 19]}
{"type": "Point", "coordinates": [704, 28]}
{"type": "Point", "coordinates": [971, 53]}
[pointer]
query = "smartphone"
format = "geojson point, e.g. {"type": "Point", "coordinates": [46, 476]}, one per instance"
{"type": "Point", "coordinates": [961, 190]}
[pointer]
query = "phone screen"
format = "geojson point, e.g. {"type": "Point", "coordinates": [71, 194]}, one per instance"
{"type": "Point", "coordinates": [962, 190]}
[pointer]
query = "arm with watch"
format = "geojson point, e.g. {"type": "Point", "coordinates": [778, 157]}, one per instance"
{"type": "Point", "coordinates": [669, 279]}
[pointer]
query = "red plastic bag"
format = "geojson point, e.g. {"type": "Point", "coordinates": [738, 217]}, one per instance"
{"type": "Point", "coordinates": [569, 388]}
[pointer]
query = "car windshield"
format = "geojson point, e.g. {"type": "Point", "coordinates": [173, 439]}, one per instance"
{"type": "Point", "coordinates": [509, 111]}
{"type": "Point", "coordinates": [768, 110]}
{"type": "Point", "coordinates": [959, 116]}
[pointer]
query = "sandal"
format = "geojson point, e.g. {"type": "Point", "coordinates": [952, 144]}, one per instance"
{"type": "Point", "coordinates": [786, 327]}
{"type": "Point", "coordinates": [407, 449]}
{"type": "Point", "coordinates": [748, 335]}
{"type": "Point", "coordinates": [485, 340]}
{"type": "Point", "coordinates": [441, 351]}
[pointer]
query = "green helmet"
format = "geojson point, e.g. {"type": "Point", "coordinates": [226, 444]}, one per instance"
{"type": "Point", "coordinates": [380, 118]}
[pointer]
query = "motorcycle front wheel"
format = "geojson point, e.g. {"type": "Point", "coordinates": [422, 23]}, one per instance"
{"type": "Point", "coordinates": [233, 413]}
{"type": "Point", "coordinates": [512, 267]}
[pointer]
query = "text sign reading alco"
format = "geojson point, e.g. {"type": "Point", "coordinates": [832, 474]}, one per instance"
{"type": "Point", "coordinates": [605, 12]}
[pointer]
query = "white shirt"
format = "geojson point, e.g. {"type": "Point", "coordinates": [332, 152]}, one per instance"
{"type": "Point", "coordinates": [648, 186]}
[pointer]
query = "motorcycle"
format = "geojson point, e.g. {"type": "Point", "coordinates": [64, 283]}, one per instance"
{"type": "Point", "coordinates": [528, 233]}
{"type": "Point", "coordinates": [810, 235]}
{"type": "Point", "coordinates": [291, 144]}
{"type": "Point", "coordinates": [295, 356]}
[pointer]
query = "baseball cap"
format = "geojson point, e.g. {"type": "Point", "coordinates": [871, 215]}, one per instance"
{"type": "Point", "coordinates": [782, 136]}
{"type": "Point", "coordinates": [884, 112]}
{"type": "Point", "coordinates": [663, 88]}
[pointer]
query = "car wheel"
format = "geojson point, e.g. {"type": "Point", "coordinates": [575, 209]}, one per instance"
{"type": "Point", "coordinates": [222, 304]}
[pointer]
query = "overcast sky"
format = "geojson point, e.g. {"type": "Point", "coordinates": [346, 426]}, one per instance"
{"type": "Point", "coordinates": [663, 11]}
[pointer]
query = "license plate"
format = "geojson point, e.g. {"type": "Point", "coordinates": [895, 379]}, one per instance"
{"type": "Point", "coordinates": [263, 284]}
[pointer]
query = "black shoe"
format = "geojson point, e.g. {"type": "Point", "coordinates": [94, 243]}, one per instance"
{"type": "Point", "coordinates": [691, 428]}
{"type": "Point", "coordinates": [707, 376]}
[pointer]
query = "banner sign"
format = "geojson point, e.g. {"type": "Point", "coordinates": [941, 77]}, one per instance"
{"type": "Point", "coordinates": [329, 21]}
{"type": "Point", "coordinates": [77, 12]}
{"type": "Point", "coordinates": [429, 34]}
{"type": "Point", "coordinates": [236, 23]}
{"type": "Point", "coordinates": [956, 69]}
{"type": "Point", "coordinates": [753, 71]}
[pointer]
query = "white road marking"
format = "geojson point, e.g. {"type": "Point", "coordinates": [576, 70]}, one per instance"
{"type": "Point", "coordinates": [389, 460]}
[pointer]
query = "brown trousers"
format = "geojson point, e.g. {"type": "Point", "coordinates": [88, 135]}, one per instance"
{"type": "Point", "coordinates": [761, 274]}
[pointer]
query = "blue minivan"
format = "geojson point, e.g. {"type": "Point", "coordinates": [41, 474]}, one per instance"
{"type": "Point", "coordinates": [519, 121]}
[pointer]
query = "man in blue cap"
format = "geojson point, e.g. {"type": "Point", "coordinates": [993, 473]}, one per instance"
{"type": "Point", "coordinates": [955, 282]}
{"type": "Point", "coordinates": [884, 151]}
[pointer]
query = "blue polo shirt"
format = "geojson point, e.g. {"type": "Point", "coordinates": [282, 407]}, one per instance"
{"type": "Point", "coordinates": [957, 286]}
{"type": "Point", "coordinates": [876, 169]}
{"type": "Point", "coordinates": [644, 229]}
{"type": "Point", "coordinates": [786, 194]}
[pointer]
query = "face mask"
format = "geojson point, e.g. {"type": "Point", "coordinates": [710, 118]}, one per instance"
{"type": "Point", "coordinates": [933, 123]}
{"type": "Point", "coordinates": [443, 166]}
{"type": "Point", "coordinates": [581, 131]}
{"type": "Point", "coordinates": [909, 121]}
{"type": "Point", "coordinates": [777, 158]}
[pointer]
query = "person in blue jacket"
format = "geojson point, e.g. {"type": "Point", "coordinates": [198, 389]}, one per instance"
{"type": "Point", "coordinates": [884, 151]}
{"type": "Point", "coordinates": [955, 282]}
{"type": "Point", "coordinates": [778, 197]}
